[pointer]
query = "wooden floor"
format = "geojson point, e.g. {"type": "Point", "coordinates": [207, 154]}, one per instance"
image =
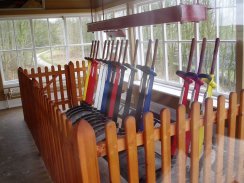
{"type": "Point", "coordinates": [20, 161]}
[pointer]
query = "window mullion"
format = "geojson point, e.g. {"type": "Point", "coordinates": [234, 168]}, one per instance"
{"type": "Point", "coordinates": [49, 38]}
{"type": "Point", "coordinates": [33, 43]}
{"type": "Point", "coordinates": [66, 40]}
{"type": "Point", "coordinates": [81, 39]}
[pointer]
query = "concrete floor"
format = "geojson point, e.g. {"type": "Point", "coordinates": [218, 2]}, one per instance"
{"type": "Point", "coordinates": [20, 161]}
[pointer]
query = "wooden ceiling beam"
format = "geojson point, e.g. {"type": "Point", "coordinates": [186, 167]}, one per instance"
{"type": "Point", "coordinates": [180, 13]}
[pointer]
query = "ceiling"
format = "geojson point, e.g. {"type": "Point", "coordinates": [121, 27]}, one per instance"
{"type": "Point", "coordinates": [57, 4]}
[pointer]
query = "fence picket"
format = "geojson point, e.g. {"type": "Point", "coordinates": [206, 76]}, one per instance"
{"type": "Point", "coordinates": [40, 77]}
{"type": "Point", "coordinates": [231, 136]}
{"type": "Point", "coordinates": [220, 138]}
{"type": "Point", "coordinates": [112, 149]}
{"type": "Point", "coordinates": [165, 145]}
{"type": "Point", "coordinates": [79, 80]}
{"type": "Point", "coordinates": [240, 168]}
{"type": "Point", "coordinates": [181, 143]}
{"type": "Point", "coordinates": [47, 81]}
{"type": "Point", "coordinates": [148, 136]}
{"type": "Point", "coordinates": [61, 87]}
{"type": "Point", "coordinates": [208, 134]}
{"type": "Point", "coordinates": [132, 157]}
{"type": "Point", "coordinates": [194, 127]}
{"type": "Point", "coordinates": [55, 91]}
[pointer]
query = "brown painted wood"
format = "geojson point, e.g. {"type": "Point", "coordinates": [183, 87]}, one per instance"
{"type": "Point", "coordinates": [61, 87]}
{"type": "Point", "coordinates": [132, 157]}
{"type": "Point", "coordinates": [72, 81]}
{"type": "Point", "coordinates": [240, 142]}
{"type": "Point", "coordinates": [148, 137]}
{"type": "Point", "coordinates": [55, 91]}
{"type": "Point", "coordinates": [79, 80]}
{"type": "Point", "coordinates": [112, 149]}
{"type": "Point", "coordinates": [166, 145]}
{"type": "Point", "coordinates": [220, 138]}
{"type": "Point", "coordinates": [195, 116]}
{"type": "Point", "coordinates": [39, 77]}
{"type": "Point", "coordinates": [231, 136]}
{"type": "Point", "coordinates": [181, 144]}
{"type": "Point", "coordinates": [47, 80]}
{"type": "Point", "coordinates": [208, 134]}
{"type": "Point", "coordinates": [89, 162]}
{"type": "Point", "coordinates": [180, 13]}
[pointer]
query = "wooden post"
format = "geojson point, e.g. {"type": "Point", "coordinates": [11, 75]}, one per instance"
{"type": "Point", "coordinates": [87, 152]}
{"type": "Point", "coordinates": [165, 145]}
{"type": "Point", "coordinates": [148, 137]}
{"type": "Point", "coordinates": [132, 157]}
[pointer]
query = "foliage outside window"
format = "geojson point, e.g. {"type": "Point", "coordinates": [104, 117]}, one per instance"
{"type": "Point", "coordinates": [40, 42]}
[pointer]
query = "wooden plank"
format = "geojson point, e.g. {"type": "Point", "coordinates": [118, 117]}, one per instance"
{"type": "Point", "coordinates": [44, 74]}
{"type": "Point", "coordinates": [73, 91]}
{"type": "Point", "coordinates": [208, 134]}
{"type": "Point", "coordinates": [79, 79]}
{"type": "Point", "coordinates": [148, 137]}
{"type": "Point", "coordinates": [231, 136]}
{"type": "Point", "coordinates": [132, 157]}
{"type": "Point", "coordinates": [220, 138]}
{"type": "Point", "coordinates": [68, 86]}
{"type": "Point", "coordinates": [55, 91]}
{"type": "Point", "coordinates": [40, 77]}
{"type": "Point", "coordinates": [195, 116]}
{"type": "Point", "coordinates": [240, 169]}
{"type": "Point", "coordinates": [112, 149]}
{"type": "Point", "coordinates": [61, 87]}
{"type": "Point", "coordinates": [180, 13]}
{"type": "Point", "coordinates": [181, 143]}
{"type": "Point", "coordinates": [87, 156]}
{"type": "Point", "coordinates": [47, 80]}
{"type": "Point", "coordinates": [165, 145]}
{"type": "Point", "coordinates": [101, 146]}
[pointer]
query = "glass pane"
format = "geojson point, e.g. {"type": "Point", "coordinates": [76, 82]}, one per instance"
{"type": "Point", "coordinates": [172, 31]}
{"type": "Point", "coordinates": [75, 53]}
{"type": "Point", "coordinates": [226, 3]}
{"type": "Point", "coordinates": [227, 67]}
{"type": "Point", "coordinates": [56, 31]}
{"type": "Point", "coordinates": [23, 33]}
{"type": "Point", "coordinates": [208, 28]}
{"type": "Point", "coordinates": [160, 63]}
{"type": "Point", "coordinates": [10, 65]}
{"type": "Point", "coordinates": [170, 3]}
{"type": "Point", "coordinates": [87, 50]}
{"type": "Point", "coordinates": [26, 59]}
{"type": "Point", "coordinates": [156, 5]}
{"type": "Point", "coordinates": [187, 31]}
{"type": "Point", "coordinates": [173, 63]}
{"type": "Point", "coordinates": [59, 56]}
{"type": "Point", "coordinates": [109, 15]}
{"type": "Point", "coordinates": [187, 1]}
{"type": "Point", "coordinates": [73, 29]}
{"type": "Point", "coordinates": [158, 32]}
{"type": "Point", "coordinates": [119, 13]}
{"type": "Point", "coordinates": [43, 57]}
{"type": "Point", "coordinates": [208, 59]}
{"type": "Point", "coordinates": [41, 32]}
{"type": "Point", "coordinates": [143, 8]}
{"type": "Point", "coordinates": [146, 33]}
{"type": "Point", "coordinates": [185, 52]}
{"type": "Point", "coordinates": [227, 23]}
{"type": "Point", "coordinates": [87, 36]}
{"type": "Point", "coordinates": [7, 41]}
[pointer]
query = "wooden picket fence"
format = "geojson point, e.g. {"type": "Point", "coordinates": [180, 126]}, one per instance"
{"type": "Point", "coordinates": [71, 152]}
{"type": "Point", "coordinates": [62, 85]}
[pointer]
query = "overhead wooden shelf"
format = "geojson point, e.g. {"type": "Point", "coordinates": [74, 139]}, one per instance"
{"type": "Point", "coordinates": [180, 13]}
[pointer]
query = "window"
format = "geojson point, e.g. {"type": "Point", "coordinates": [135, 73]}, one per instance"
{"type": "Point", "coordinates": [175, 40]}
{"type": "Point", "coordinates": [40, 42]}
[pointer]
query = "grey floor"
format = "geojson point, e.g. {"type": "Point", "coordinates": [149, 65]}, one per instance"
{"type": "Point", "coordinates": [20, 161]}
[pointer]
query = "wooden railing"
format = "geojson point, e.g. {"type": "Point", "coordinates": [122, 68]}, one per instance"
{"type": "Point", "coordinates": [62, 85]}
{"type": "Point", "coordinates": [71, 152]}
